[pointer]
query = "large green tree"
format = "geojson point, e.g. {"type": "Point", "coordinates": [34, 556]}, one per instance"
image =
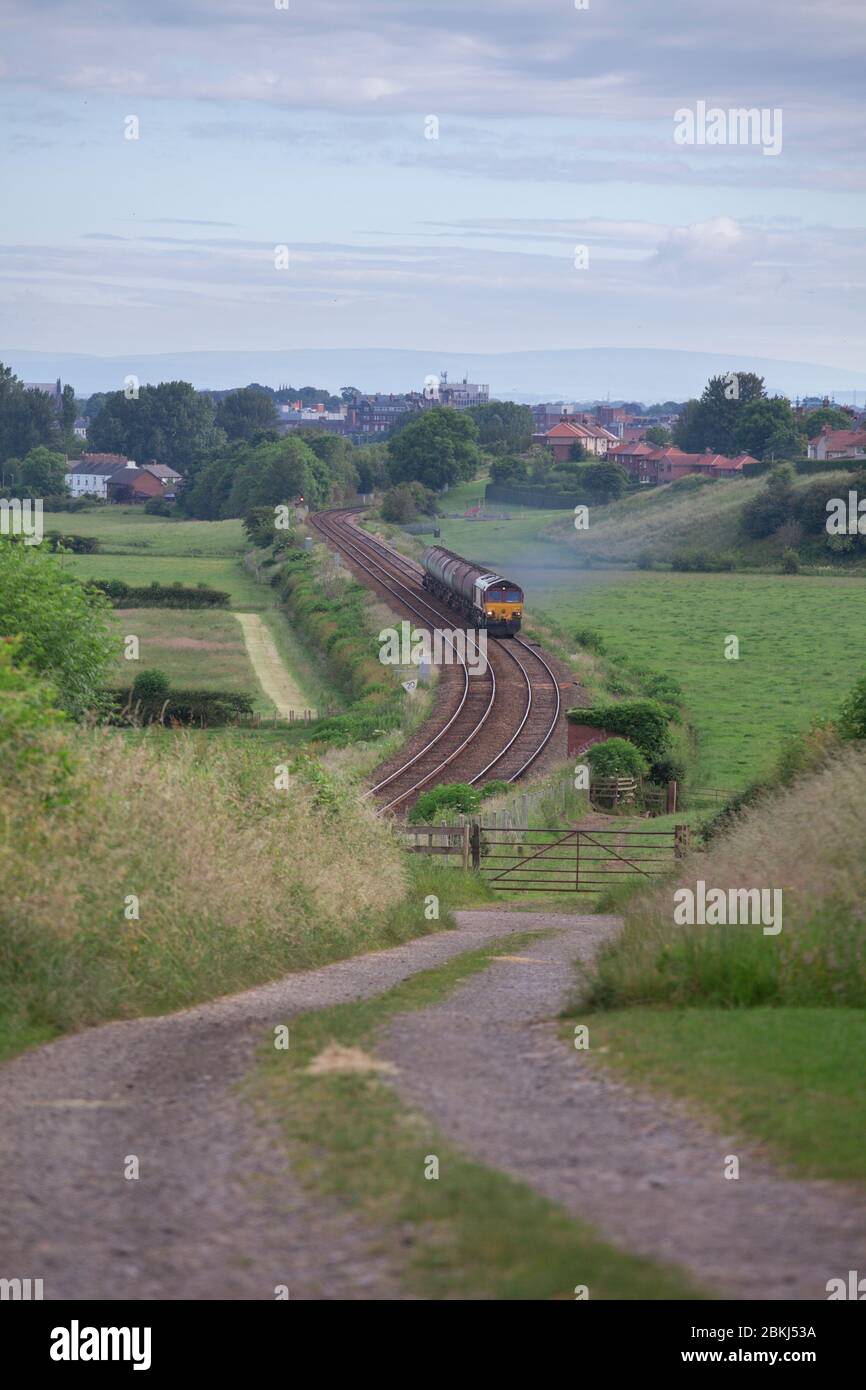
{"type": "Point", "coordinates": [768, 429]}
{"type": "Point", "coordinates": [711, 422]}
{"type": "Point", "coordinates": [172, 423]}
{"type": "Point", "coordinates": [246, 413]}
{"type": "Point", "coordinates": [439, 448]}
{"type": "Point", "coordinates": [503, 426]}
{"type": "Point", "coordinates": [27, 418]}
{"type": "Point", "coordinates": [42, 473]}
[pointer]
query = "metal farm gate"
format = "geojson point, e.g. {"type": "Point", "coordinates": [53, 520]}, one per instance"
{"type": "Point", "coordinates": [524, 860]}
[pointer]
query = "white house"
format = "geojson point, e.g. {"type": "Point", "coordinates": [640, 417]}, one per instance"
{"type": "Point", "coordinates": [92, 474]}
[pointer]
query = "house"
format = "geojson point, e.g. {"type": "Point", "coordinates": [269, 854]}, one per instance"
{"type": "Point", "coordinates": [79, 429]}
{"type": "Point", "coordinates": [92, 474]}
{"type": "Point", "coordinates": [646, 463]}
{"type": "Point", "coordinates": [838, 444]}
{"type": "Point", "coordinates": [562, 438]}
{"type": "Point", "coordinates": [115, 478]}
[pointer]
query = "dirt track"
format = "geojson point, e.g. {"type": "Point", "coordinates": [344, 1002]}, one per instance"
{"type": "Point", "coordinates": [216, 1212]}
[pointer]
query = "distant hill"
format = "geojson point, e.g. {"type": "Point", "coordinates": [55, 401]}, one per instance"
{"type": "Point", "coordinates": [587, 373]}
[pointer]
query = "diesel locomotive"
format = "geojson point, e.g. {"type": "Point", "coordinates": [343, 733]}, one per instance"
{"type": "Point", "coordinates": [485, 600]}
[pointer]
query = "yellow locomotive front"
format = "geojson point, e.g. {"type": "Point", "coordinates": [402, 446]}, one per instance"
{"type": "Point", "coordinates": [502, 606]}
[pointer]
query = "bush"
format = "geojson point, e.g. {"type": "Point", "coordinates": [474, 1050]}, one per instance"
{"type": "Point", "coordinates": [62, 624]}
{"type": "Point", "coordinates": [643, 722]}
{"type": "Point", "coordinates": [616, 758]}
{"type": "Point", "coordinates": [161, 595]}
{"type": "Point", "coordinates": [452, 798]}
{"type": "Point", "coordinates": [790, 561]}
{"type": "Point", "coordinates": [150, 685]}
{"type": "Point", "coordinates": [590, 640]}
{"type": "Point", "coordinates": [852, 717]}
{"type": "Point", "coordinates": [157, 506]}
{"type": "Point", "coordinates": [495, 788]}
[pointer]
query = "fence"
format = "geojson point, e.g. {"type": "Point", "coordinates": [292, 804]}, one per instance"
{"type": "Point", "coordinates": [522, 859]}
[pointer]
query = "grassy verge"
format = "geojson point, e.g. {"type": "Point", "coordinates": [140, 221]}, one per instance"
{"type": "Point", "coordinates": [789, 1080]}
{"type": "Point", "coordinates": [473, 1233]}
{"type": "Point", "coordinates": [147, 873]}
{"type": "Point", "coordinates": [762, 1034]}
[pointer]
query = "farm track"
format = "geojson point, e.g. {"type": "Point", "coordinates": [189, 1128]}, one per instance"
{"type": "Point", "coordinates": [490, 726]}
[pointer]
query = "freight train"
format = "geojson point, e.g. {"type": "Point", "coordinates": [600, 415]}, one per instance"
{"type": "Point", "coordinates": [485, 600]}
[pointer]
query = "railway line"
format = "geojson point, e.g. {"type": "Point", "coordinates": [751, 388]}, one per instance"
{"type": "Point", "coordinates": [486, 726]}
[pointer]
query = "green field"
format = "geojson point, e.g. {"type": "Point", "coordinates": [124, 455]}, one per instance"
{"type": "Point", "coordinates": [198, 649]}
{"type": "Point", "coordinates": [802, 645]}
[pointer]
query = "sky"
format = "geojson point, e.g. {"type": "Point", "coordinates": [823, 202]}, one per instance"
{"type": "Point", "coordinates": [487, 176]}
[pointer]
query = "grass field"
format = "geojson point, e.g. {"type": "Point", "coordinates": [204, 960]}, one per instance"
{"type": "Point", "coordinates": [197, 649]}
{"type": "Point", "coordinates": [802, 645]}
{"type": "Point", "coordinates": [803, 1102]}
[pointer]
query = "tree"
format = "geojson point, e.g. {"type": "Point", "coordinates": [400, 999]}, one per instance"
{"type": "Point", "coordinates": [371, 466]}
{"type": "Point", "coordinates": [832, 416]}
{"type": "Point", "coordinates": [510, 472]}
{"type": "Point", "coordinates": [767, 429]}
{"type": "Point", "coordinates": [438, 448]}
{"type": "Point", "coordinates": [171, 422]}
{"type": "Point", "coordinates": [407, 502]}
{"type": "Point", "coordinates": [605, 481]}
{"type": "Point", "coordinates": [243, 414]}
{"type": "Point", "coordinates": [61, 622]}
{"type": "Point", "coordinates": [42, 473]}
{"type": "Point", "coordinates": [577, 453]}
{"type": "Point", "coordinates": [711, 422]}
{"type": "Point", "coordinates": [503, 426]}
{"type": "Point", "coordinates": [658, 435]}
{"type": "Point", "coordinates": [616, 757]}
{"type": "Point", "coordinates": [68, 409]}
{"type": "Point", "coordinates": [771, 508]}
{"type": "Point", "coordinates": [27, 418]}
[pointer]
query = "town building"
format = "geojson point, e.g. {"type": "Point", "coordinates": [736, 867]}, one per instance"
{"type": "Point", "coordinates": [115, 478]}
{"type": "Point", "coordinates": [838, 444]}
{"type": "Point", "coordinates": [569, 431]}
{"type": "Point", "coordinates": [52, 389]}
{"type": "Point", "coordinates": [648, 464]}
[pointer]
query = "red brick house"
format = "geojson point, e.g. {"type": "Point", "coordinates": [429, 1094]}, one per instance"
{"type": "Point", "coordinates": [838, 444]}
{"type": "Point", "coordinates": [562, 438]}
{"type": "Point", "coordinates": [646, 463]}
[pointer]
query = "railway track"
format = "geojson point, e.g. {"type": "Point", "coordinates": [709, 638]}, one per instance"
{"type": "Point", "coordinates": [490, 726]}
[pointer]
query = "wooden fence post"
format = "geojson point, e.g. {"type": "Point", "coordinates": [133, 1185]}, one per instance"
{"type": "Point", "coordinates": [475, 842]}
{"type": "Point", "coordinates": [464, 837]}
{"type": "Point", "coordinates": [681, 840]}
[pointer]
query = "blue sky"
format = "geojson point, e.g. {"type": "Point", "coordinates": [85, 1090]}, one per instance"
{"type": "Point", "coordinates": [305, 127]}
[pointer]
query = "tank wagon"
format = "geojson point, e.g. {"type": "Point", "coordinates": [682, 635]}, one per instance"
{"type": "Point", "coordinates": [485, 600]}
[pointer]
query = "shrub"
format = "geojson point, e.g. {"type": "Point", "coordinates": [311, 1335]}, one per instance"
{"type": "Point", "coordinates": [62, 624]}
{"type": "Point", "coordinates": [643, 722]}
{"type": "Point", "coordinates": [790, 562]}
{"type": "Point", "coordinates": [150, 685]}
{"type": "Point", "coordinates": [495, 788]}
{"type": "Point", "coordinates": [450, 798]}
{"type": "Point", "coordinates": [852, 717]}
{"type": "Point", "coordinates": [156, 595]}
{"type": "Point", "coordinates": [157, 506]}
{"type": "Point", "coordinates": [616, 758]}
{"type": "Point", "coordinates": [590, 640]}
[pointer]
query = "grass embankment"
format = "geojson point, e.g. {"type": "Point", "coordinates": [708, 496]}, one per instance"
{"type": "Point", "coordinates": [471, 1233]}
{"type": "Point", "coordinates": [236, 882]}
{"type": "Point", "coordinates": [763, 1033]}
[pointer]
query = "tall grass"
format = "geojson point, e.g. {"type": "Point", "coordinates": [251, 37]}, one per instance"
{"type": "Point", "coordinates": [237, 882]}
{"type": "Point", "coordinates": [809, 841]}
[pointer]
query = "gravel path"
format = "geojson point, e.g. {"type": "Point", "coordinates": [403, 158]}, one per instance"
{"type": "Point", "coordinates": [215, 1213]}
{"type": "Point", "coordinates": [489, 1067]}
